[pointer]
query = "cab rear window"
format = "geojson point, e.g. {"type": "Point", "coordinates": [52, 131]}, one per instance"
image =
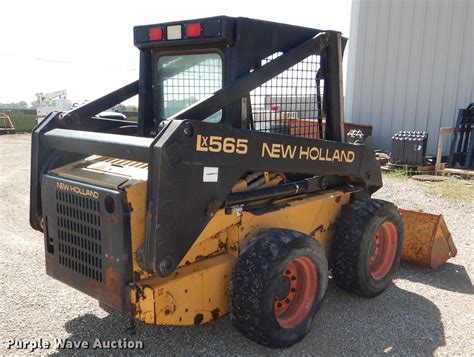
{"type": "Point", "coordinates": [183, 80]}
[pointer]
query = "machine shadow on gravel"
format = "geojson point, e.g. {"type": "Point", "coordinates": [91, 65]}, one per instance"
{"type": "Point", "coordinates": [451, 277]}
{"type": "Point", "coordinates": [395, 322]}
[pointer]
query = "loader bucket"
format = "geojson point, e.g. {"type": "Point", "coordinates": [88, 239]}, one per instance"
{"type": "Point", "coordinates": [427, 239]}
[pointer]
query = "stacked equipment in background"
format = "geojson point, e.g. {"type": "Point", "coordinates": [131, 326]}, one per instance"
{"type": "Point", "coordinates": [409, 147]}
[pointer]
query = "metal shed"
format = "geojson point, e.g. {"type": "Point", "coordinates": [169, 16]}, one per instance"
{"type": "Point", "coordinates": [410, 66]}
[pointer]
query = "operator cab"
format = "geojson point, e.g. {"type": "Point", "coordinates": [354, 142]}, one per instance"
{"type": "Point", "coordinates": [183, 63]}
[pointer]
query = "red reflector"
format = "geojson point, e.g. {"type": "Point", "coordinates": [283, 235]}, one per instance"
{"type": "Point", "coordinates": [155, 33]}
{"type": "Point", "coordinates": [193, 30]}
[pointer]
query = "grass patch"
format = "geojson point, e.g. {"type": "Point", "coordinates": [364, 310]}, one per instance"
{"type": "Point", "coordinates": [451, 189]}
{"type": "Point", "coordinates": [23, 123]}
{"type": "Point", "coordinates": [398, 174]}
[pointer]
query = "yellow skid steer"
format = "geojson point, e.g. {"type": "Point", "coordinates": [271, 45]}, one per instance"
{"type": "Point", "coordinates": [234, 193]}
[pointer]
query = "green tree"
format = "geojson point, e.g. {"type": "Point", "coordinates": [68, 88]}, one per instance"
{"type": "Point", "coordinates": [14, 105]}
{"type": "Point", "coordinates": [125, 108]}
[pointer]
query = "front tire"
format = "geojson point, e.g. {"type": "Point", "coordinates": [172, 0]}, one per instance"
{"type": "Point", "coordinates": [277, 287]}
{"type": "Point", "coordinates": [367, 246]}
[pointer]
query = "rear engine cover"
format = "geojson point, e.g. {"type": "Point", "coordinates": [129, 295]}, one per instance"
{"type": "Point", "coordinates": [87, 229]}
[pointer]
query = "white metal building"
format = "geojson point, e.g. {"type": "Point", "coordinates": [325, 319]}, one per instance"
{"type": "Point", "coordinates": [410, 66]}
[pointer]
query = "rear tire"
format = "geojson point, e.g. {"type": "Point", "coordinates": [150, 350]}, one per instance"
{"type": "Point", "coordinates": [367, 246]}
{"type": "Point", "coordinates": [277, 287]}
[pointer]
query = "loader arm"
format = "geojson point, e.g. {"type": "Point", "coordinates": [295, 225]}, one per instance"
{"type": "Point", "coordinates": [182, 154]}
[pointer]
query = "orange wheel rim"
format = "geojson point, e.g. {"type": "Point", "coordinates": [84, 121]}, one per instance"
{"type": "Point", "coordinates": [301, 293]}
{"type": "Point", "coordinates": [383, 249]}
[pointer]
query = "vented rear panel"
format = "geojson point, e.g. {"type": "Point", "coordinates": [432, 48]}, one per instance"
{"type": "Point", "coordinates": [87, 239]}
{"type": "Point", "coordinates": [79, 234]}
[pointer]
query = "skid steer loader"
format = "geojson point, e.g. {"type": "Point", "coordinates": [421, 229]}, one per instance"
{"type": "Point", "coordinates": [233, 193]}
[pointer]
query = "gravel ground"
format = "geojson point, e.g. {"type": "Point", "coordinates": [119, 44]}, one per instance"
{"type": "Point", "coordinates": [424, 312]}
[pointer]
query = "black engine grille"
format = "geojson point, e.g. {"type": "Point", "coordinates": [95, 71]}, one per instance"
{"type": "Point", "coordinates": [87, 239]}
{"type": "Point", "coordinates": [79, 234]}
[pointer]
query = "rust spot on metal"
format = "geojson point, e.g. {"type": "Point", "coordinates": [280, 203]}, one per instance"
{"type": "Point", "coordinates": [233, 247]}
{"type": "Point", "coordinates": [320, 228]}
{"type": "Point", "coordinates": [213, 253]}
{"type": "Point", "coordinates": [115, 217]}
{"type": "Point", "coordinates": [215, 236]}
{"type": "Point", "coordinates": [215, 314]}
{"type": "Point", "coordinates": [110, 292]}
{"type": "Point", "coordinates": [199, 258]}
{"type": "Point", "coordinates": [198, 319]}
{"type": "Point", "coordinates": [427, 240]}
{"type": "Point", "coordinates": [134, 310]}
